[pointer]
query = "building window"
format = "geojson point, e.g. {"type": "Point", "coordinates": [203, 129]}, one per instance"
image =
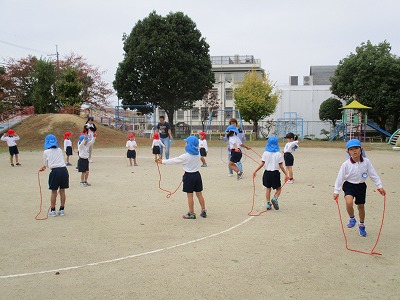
{"type": "Point", "coordinates": [195, 113]}
{"type": "Point", "coordinates": [228, 77]}
{"type": "Point", "coordinates": [228, 94]}
{"type": "Point", "coordinates": [180, 114]}
{"type": "Point", "coordinates": [228, 113]}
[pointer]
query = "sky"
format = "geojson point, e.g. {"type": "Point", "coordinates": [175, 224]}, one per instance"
{"type": "Point", "coordinates": [288, 36]}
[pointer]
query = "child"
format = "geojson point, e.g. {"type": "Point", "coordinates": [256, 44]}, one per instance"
{"type": "Point", "coordinates": [58, 178]}
{"type": "Point", "coordinates": [91, 129]}
{"type": "Point", "coordinates": [83, 162]}
{"type": "Point", "coordinates": [290, 147]}
{"type": "Point", "coordinates": [192, 181]}
{"type": "Point", "coordinates": [131, 145]}
{"type": "Point", "coordinates": [68, 146]}
{"type": "Point", "coordinates": [203, 148]}
{"type": "Point", "coordinates": [272, 161]}
{"type": "Point", "coordinates": [10, 137]}
{"type": "Point", "coordinates": [235, 144]}
{"type": "Point", "coordinates": [156, 146]}
{"type": "Point", "coordinates": [242, 137]}
{"type": "Point", "coordinates": [351, 178]}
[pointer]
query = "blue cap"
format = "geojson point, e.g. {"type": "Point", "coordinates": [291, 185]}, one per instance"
{"type": "Point", "coordinates": [192, 146]}
{"type": "Point", "coordinates": [50, 141]}
{"type": "Point", "coordinates": [231, 128]}
{"type": "Point", "coordinates": [353, 143]}
{"type": "Point", "coordinates": [81, 137]}
{"type": "Point", "coordinates": [272, 145]}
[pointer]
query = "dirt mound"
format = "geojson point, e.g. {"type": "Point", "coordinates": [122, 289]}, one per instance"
{"type": "Point", "coordinates": [33, 130]}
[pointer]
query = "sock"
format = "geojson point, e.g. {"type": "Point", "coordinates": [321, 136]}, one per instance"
{"type": "Point", "coordinates": [53, 209]}
{"type": "Point", "coordinates": [61, 207]}
{"type": "Point", "coordinates": [352, 217]}
{"type": "Point", "coordinates": [361, 224]}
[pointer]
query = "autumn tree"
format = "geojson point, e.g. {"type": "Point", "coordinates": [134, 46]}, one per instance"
{"type": "Point", "coordinates": [329, 110]}
{"type": "Point", "coordinates": [256, 98]}
{"type": "Point", "coordinates": [166, 63]}
{"type": "Point", "coordinates": [371, 76]}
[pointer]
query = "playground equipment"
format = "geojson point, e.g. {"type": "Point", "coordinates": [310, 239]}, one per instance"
{"type": "Point", "coordinates": [290, 123]}
{"type": "Point", "coordinates": [217, 125]}
{"type": "Point", "coordinates": [395, 139]}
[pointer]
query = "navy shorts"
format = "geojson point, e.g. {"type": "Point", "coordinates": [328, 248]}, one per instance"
{"type": "Point", "coordinates": [236, 156]}
{"type": "Point", "coordinates": [68, 151]}
{"type": "Point", "coordinates": [192, 182]}
{"type": "Point", "coordinates": [58, 179]}
{"type": "Point", "coordinates": [272, 179]}
{"type": "Point", "coordinates": [203, 152]}
{"type": "Point", "coordinates": [131, 154]}
{"type": "Point", "coordinates": [13, 150]}
{"type": "Point", "coordinates": [289, 159]}
{"type": "Point", "coordinates": [156, 150]}
{"type": "Point", "coordinates": [83, 165]}
{"type": "Point", "coordinates": [357, 190]}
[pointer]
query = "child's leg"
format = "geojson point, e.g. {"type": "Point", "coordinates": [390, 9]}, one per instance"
{"type": "Point", "coordinates": [268, 194]}
{"type": "Point", "coordinates": [53, 199]}
{"type": "Point", "coordinates": [278, 192]}
{"type": "Point", "coordinates": [190, 202]}
{"type": "Point", "coordinates": [201, 200]}
{"type": "Point", "coordinates": [202, 159]}
{"type": "Point", "coordinates": [63, 197]}
{"type": "Point", "coordinates": [239, 166]}
{"type": "Point", "coordinates": [361, 212]}
{"type": "Point", "coordinates": [11, 159]}
{"type": "Point", "coordinates": [86, 176]}
{"type": "Point", "coordinates": [83, 176]}
{"type": "Point", "coordinates": [130, 161]}
{"type": "Point", "coordinates": [349, 205]}
{"type": "Point", "coordinates": [233, 166]}
{"type": "Point", "coordinates": [67, 159]}
{"type": "Point", "coordinates": [16, 158]}
{"type": "Point", "coordinates": [290, 171]}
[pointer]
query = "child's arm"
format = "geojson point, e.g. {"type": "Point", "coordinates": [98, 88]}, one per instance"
{"type": "Point", "coordinates": [341, 177]}
{"type": "Point", "coordinates": [375, 179]}
{"type": "Point", "coordinates": [247, 147]}
{"type": "Point", "coordinates": [282, 167]}
{"type": "Point", "coordinates": [258, 168]}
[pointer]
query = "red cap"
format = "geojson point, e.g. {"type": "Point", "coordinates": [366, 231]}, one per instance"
{"type": "Point", "coordinates": [203, 134]}
{"type": "Point", "coordinates": [67, 135]}
{"type": "Point", "coordinates": [10, 131]}
{"type": "Point", "coordinates": [130, 135]}
{"type": "Point", "coordinates": [156, 136]}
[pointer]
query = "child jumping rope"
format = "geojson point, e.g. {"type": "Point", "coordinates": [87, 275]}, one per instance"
{"type": "Point", "coordinates": [290, 147]}
{"type": "Point", "coordinates": [203, 148]}
{"type": "Point", "coordinates": [156, 146]}
{"type": "Point", "coordinates": [351, 178]}
{"type": "Point", "coordinates": [272, 161]}
{"type": "Point", "coordinates": [83, 162]}
{"type": "Point", "coordinates": [192, 182]}
{"type": "Point", "coordinates": [10, 137]}
{"type": "Point", "coordinates": [58, 178]}
{"type": "Point", "coordinates": [235, 145]}
{"type": "Point", "coordinates": [131, 145]}
{"type": "Point", "coordinates": [68, 146]}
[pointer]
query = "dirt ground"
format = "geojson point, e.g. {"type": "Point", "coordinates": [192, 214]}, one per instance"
{"type": "Point", "coordinates": [122, 238]}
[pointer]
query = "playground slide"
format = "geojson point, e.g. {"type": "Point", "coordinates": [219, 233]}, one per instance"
{"type": "Point", "coordinates": [395, 138]}
{"type": "Point", "coordinates": [376, 127]}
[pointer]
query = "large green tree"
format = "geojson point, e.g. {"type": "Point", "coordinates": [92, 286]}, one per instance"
{"type": "Point", "coordinates": [256, 98]}
{"type": "Point", "coordinates": [43, 97]}
{"type": "Point", "coordinates": [69, 87]}
{"type": "Point", "coordinates": [166, 63]}
{"type": "Point", "coordinates": [329, 110]}
{"type": "Point", "coordinates": [371, 76]}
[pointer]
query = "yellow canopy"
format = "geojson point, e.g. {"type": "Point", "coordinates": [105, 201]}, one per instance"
{"type": "Point", "coordinates": [356, 105]}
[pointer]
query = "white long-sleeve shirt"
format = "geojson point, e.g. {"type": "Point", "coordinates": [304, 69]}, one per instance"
{"type": "Point", "coordinates": [53, 158]}
{"type": "Point", "coordinates": [157, 143]}
{"type": "Point", "coordinates": [84, 149]}
{"type": "Point", "coordinates": [10, 140]}
{"type": "Point", "coordinates": [190, 163]}
{"type": "Point", "coordinates": [203, 144]}
{"type": "Point", "coordinates": [355, 172]}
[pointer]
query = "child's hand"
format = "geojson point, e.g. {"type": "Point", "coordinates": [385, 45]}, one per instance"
{"type": "Point", "coordinates": [159, 160]}
{"type": "Point", "coordinates": [237, 150]}
{"type": "Point", "coordinates": [335, 197]}
{"type": "Point", "coordinates": [42, 169]}
{"type": "Point", "coordinates": [382, 191]}
{"type": "Point", "coordinates": [254, 174]}
{"type": "Point", "coordinates": [286, 178]}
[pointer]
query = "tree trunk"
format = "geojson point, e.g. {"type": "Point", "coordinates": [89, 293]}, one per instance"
{"type": "Point", "coordinates": [255, 128]}
{"type": "Point", "coordinates": [170, 114]}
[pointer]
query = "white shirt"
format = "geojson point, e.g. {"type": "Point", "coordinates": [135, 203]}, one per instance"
{"type": "Point", "coordinates": [10, 140]}
{"type": "Point", "coordinates": [84, 149]}
{"type": "Point", "coordinates": [289, 147]}
{"type": "Point", "coordinates": [272, 160]}
{"type": "Point", "coordinates": [234, 139]}
{"type": "Point", "coordinates": [131, 145]}
{"type": "Point", "coordinates": [355, 172]}
{"type": "Point", "coordinates": [53, 158]}
{"type": "Point", "coordinates": [67, 142]}
{"type": "Point", "coordinates": [190, 163]}
{"type": "Point", "coordinates": [203, 144]}
{"type": "Point", "coordinates": [157, 143]}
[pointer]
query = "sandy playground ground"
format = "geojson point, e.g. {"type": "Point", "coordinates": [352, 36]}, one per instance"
{"type": "Point", "coordinates": [122, 238]}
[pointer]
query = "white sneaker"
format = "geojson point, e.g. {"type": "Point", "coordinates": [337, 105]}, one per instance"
{"type": "Point", "coordinates": [84, 184]}
{"type": "Point", "coordinates": [61, 212]}
{"type": "Point", "coordinates": [290, 181]}
{"type": "Point", "coordinates": [91, 161]}
{"type": "Point", "coordinates": [52, 213]}
{"type": "Point", "coordinates": [230, 175]}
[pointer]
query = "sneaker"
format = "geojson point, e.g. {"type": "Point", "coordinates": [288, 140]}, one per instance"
{"type": "Point", "coordinates": [239, 175]}
{"type": "Point", "coordinates": [61, 212]}
{"type": "Point", "coordinates": [135, 165]}
{"type": "Point", "coordinates": [290, 181]}
{"type": "Point", "coordinates": [68, 164]}
{"type": "Point", "coordinates": [352, 223]}
{"type": "Point", "coordinates": [230, 174]}
{"type": "Point", "coordinates": [361, 229]}
{"type": "Point", "coordinates": [275, 203]}
{"type": "Point", "coordinates": [269, 206]}
{"type": "Point", "coordinates": [189, 215]}
{"type": "Point", "coordinates": [204, 165]}
{"type": "Point", "coordinates": [203, 213]}
{"type": "Point", "coordinates": [12, 165]}
{"type": "Point", "coordinates": [83, 184]}
{"type": "Point", "coordinates": [88, 184]}
{"type": "Point", "coordinates": [52, 213]}
{"type": "Point", "coordinates": [18, 164]}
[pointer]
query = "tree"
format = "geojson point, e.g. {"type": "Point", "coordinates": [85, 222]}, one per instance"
{"type": "Point", "coordinates": [371, 76]}
{"type": "Point", "coordinates": [209, 105]}
{"type": "Point", "coordinates": [70, 88]}
{"type": "Point", "coordinates": [166, 63]}
{"type": "Point", "coordinates": [256, 98]}
{"type": "Point", "coordinates": [330, 110]}
{"type": "Point", "coordinates": [43, 97]}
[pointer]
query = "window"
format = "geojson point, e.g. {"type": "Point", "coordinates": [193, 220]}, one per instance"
{"type": "Point", "coordinates": [195, 113]}
{"type": "Point", "coordinates": [228, 113]}
{"type": "Point", "coordinates": [228, 94]}
{"type": "Point", "coordinates": [228, 77]}
{"type": "Point", "coordinates": [180, 114]}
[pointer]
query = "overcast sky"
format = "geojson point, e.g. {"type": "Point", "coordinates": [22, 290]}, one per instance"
{"type": "Point", "coordinates": [288, 36]}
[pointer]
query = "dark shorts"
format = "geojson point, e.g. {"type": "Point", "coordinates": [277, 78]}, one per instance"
{"type": "Point", "coordinates": [68, 151]}
{"type": "Point", "coordinates": [58, 179]}
{"type": "Point", "coordinates": [272, 179]}
{"type": "Point", "coordinates": [289, 159]}
{"type": "Point", "coordinates": [358, 191]}
{"type": "Point", "coordinates": [235, 156]}
{"type": "Point", "coordinates": [156, 150]}
{"type": "Point", "coordinates": [203, 152]}
{"type": "Point", "coordinates": [13, 150]}
{"type": "Point", "coordinates": [83, 165]}
{"type": "Point", "coordinates": [131, 154]}
{"type": "Point", "coordinates": [192, 182]}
